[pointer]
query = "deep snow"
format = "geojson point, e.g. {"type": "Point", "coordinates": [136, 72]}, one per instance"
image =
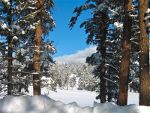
{"type": "Point", "coordinates": [67, 101]}
{"type": "Point", "coordinates": [43, 104]}
{"type": "Point", "coordinates": [82, 97]}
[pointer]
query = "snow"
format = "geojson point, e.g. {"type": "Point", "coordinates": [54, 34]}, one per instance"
{"type": "Point", "coordinates": [113, 12]}
{"type": "Point", "coordinates": [148, 11]}
{"type": "Point", "coordinates": [133, 15]}
{"type": "Point", "coordinates": [23, 32]}
{"type": "Point", "coordinates": [81, 97]}
{"type": "Point", "coordinates": [118, 25]}
{"type": "Point", "coordinates": [3, 26]}
{"type": "Point", "coordinates": [147, 17]}
{"type": "Point", "coordinates": [15, 38]}
{"type": "Point", "coordinates": [31, 27]}
{"type": "Point", "coordinates": [5, 1]}
{"type": "Point", "coordinates": [67, 101]}
{"type": "Point", "coordinates": [69, 96]}
{"type": "Point", "coordinates": [133, 98]}
{"type": "Point", "coordinates": [35, 73]}
{"type": "Point", "coordinates": [44, 104]}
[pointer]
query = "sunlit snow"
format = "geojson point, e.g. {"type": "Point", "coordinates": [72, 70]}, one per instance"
{"type": "Point", "coordinates": [67, 101]}
{"type": "Point", "coordinates": [44, 104]}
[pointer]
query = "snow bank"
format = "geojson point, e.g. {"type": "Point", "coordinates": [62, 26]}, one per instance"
{"type": "Point", "coordinates": [43, 104]}
{"type": "Point", "coordinates": [69, 96]}
{"type": "Point", "coordinates": [81, 97]}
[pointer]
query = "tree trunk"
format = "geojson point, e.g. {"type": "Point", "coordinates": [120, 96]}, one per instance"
{"type": "Point", "coordinates": [125, 60]}
{"type": "Point", "coordinates": [144, 56]}
{"type": "Point", "coordinates": [102, 49]}
{"type": "Point", "coordinates": [36, 60]}
{"type": "Point", "coordinates": [102, 80]}
{"type": "Point", "coordinates": [36, 57]}
{"type": "Point", "coordinates": [9, 68]}
{"type": "Point", "coordinates": [10, 60]}
{"type": "Point", "coordinates": [101, 68]}
{"type": "Point", "coordinates": [103, 89]}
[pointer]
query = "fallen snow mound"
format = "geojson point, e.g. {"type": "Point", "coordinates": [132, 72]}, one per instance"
{"type": "Point", "coordinates": [44, 104]}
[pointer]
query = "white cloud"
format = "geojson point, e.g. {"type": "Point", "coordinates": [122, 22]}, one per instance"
{"type": "Point", "coordinates": [78, 57]}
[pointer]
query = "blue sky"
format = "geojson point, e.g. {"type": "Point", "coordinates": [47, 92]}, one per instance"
{"type": "Point", "coordinates": [65, 40]}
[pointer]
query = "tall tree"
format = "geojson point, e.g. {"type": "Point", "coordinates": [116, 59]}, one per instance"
{"type": "Point", "coordinates": [126, 49]}
{"type": "Point", "coordinates": [8, 31]}
{"type": "Point", "coordinates": [36, 60]}
{"type": "Point", "coordinates": [42, 5]}
{"type": "Point", "coordinates": [10, 51]}
{"type": "Point", "coordinates": [36, 56]}
{"type": "Point", "coordinates": [101, 37]}
{"type": "Point", "coordinates": [96, 28]}
{"type": "Point", "coordinates": [105, 14]}
{"type": "Point", "coordinates": [144, 56]}
{"type": "Point", "coordinates": [26, 16]}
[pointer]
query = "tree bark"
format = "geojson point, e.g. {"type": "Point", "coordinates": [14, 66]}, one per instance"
{"type": "Point", "coordinates": [144, 56]}
{"type": "Point", "coordinates": [125, 60]}
{"type": "Point", "coordinates": [9, 68]}
{"type": "Point", "coordinates": [36, 61]}
{"type": "Point", "coordinates": [103, 89]}
{"type": "Point", "coordinates": [103, 70]}
{"type": "Point", "coordinates": [36, 57]}
{"type": "Point", "coordinates": [10, 59]}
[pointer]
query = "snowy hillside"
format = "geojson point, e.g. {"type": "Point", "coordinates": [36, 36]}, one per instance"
{"type": "Point", "coordinates": [44, 104]}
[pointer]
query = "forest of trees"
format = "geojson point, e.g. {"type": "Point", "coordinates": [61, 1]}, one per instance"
{"type": "Point", "coordinates": [120, 30]}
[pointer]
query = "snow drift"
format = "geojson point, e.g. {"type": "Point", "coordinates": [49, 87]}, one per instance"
{"type": "Point", "coordinates": [44, 104]}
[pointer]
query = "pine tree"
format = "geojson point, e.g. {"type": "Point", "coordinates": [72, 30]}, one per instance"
{"type": "Point", "coordinates": [8, 31]}
{"type": "Point", "coordinates": [96, 28]}
{"type": "Point", "coordinates": [36, 56]}
{"type": "Point", "coordinates": [126, 49]}
{"type": "Point", "coordinates": [144, 55]}
{"type": "Point", "coordinates": [37, 45]}
{"type": "Point", "coordinates": [23, 22]}
{"type": "Point", "coordinates": [36, 60]}
{"type": "Point", "coordinates": [10, 52]}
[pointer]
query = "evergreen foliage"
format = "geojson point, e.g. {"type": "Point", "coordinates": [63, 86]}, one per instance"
{"type": "Point", "coordinates": [18, 22]}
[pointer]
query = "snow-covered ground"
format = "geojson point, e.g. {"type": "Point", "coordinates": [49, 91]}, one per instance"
{"type": "Point", "coordinates": [43, 104]}
{"type": "Point", "coordinates": [67, 101]}
{"type": "Point", "coordinates": [133, 98]}
{"type": "Point", "coordinates": [82, 97]}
